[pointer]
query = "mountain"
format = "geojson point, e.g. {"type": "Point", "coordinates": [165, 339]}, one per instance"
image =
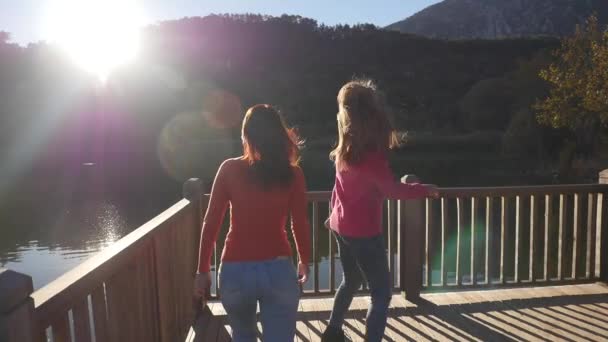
{"type": "Point", "coordinates": [490, 19]}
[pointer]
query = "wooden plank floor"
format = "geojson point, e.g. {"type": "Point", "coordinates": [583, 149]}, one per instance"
{"type": "Point", "coordinates": [560, 313]}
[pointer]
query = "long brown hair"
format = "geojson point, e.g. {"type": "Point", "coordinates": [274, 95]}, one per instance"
{"type": "Point", "coordinates": [270, 147]}
{"type": "Point", "coordinates": [363, 123]}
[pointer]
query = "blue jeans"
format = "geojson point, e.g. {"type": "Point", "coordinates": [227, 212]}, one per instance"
{"type": "Point", "coordinates": [363, 257]}
{"type": "Point", "coordinates": [274, 283]}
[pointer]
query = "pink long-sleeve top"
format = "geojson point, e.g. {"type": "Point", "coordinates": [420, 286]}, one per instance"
{"type": "Point", "coordinates": [359, 192]}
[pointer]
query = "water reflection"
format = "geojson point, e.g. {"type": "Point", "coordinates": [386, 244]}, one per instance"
{"type": "Point", "coordinates": [72, 236]}
{"type": "Point", "coordinates": [44, 263]}
{"type": "Point", "coordinates": [60, 234]}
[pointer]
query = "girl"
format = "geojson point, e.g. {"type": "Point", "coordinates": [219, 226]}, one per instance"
{"type": "Point", "coordinates": [262, 187]}
{"type": "Point", "coordinates": [363, 182]}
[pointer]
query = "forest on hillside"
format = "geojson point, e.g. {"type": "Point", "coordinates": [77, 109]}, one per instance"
{"type": "Point", "coordinates": [174, 113]}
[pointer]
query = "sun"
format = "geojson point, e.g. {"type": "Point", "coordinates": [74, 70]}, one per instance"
{"type": "Point", "coordinates": [99, 35]}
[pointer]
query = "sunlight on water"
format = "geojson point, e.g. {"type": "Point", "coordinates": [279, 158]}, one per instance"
{"type": "Point", "coordinates": [109, 223]}
{"type": "Point", "coordinates": [75, 238]}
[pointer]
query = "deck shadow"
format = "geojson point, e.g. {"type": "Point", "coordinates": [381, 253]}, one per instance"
{"type": "Point", "coordinates": [565, 317]}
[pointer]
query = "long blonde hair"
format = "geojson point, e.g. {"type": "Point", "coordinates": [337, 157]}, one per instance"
{"type": "Point", "coordinates": [363, 124]}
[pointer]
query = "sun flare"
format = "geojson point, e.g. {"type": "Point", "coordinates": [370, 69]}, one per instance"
{"type": "Point", "coordinates": [99, 35]}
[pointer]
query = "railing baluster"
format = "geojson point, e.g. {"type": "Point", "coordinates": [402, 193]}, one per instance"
{"type": "Point", "coordinates": [444, 223]}
{"type": "Point", "coordinates": [332, 273]}
{"type": "Point", "coordinates": [473, 236]}
{"type": "Point", "coordinates": [181, 288]}
{"type": "Point", "coordinates": [394, 243]}
{"type": "Point", "coordinates": [601, 244]}
{"type": "Point", "coordinates": [115, 304]}
{"type": "Point", "coordinates": [399, 206]}
{"type": "Point", "coordinates": [459, 218]}
{"type": "Point", "coordinates": [517, 238]}
{"type": "Point", "coordinates": [428, 251]}
{"type": "Point", "coordinates": [100, 319]}
{"type": "Point", "coordinates": [489, 239]}
{"type": "Point", "coordinates": [217, 272]}
{"type": "Point", "coordinates": [597, 262]}
{"type": "Point", "coordinates": [504, 223]}
{"type": "Point", "coordinates": [533, 235]}
{"type": "Point", "coordinates": [591, 218]}
{"type": "Point", "coordinates": [148, 300]}
{"type": "Point", "coordinates": [82, 328]}
{"type": "Point", "coordinates": [163, 285]}
{"type": "Point", "coordinates": [390, 208]}
{"type": "Point", "coordinates": [61, 328]}
{"type": "Point", "coordinates": [563, 202]}
{"type": "Point", "coordinates": [548, 214]}
{"type": "Point", "coordinates": [576, 238]}
{"type": "Point", "coordinates": [315, 245]}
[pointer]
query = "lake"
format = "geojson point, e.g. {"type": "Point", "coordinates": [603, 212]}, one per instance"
{"type": "Point", "coordinates": [51, 220]}
{"type": "Point", "coordinates": [47, 244]}
{"type": "Point", "coordinates": [52, 225]}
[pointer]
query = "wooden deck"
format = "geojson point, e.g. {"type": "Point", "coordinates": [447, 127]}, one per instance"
{"type": "Point", "coordinates": [557, 313]}
{"type": "Point", "coordinates": [536, 236]}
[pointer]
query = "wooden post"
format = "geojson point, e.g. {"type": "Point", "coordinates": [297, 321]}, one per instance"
{"type": "Point", "coordinates": [193, 191]}
{"type": "Point", "coordinates": [411, 243]}
{"type": "Point", "coordinates": [602, 229]}
{"type": "Point", "coordinates": [16, 307]}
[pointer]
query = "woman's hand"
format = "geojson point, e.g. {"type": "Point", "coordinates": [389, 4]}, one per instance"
{"type": "Point", "coordinates": [433, 191]}
{"type": "Point", "coordinates": [302, 273]}
{"type": "Point", "coordinates": [202, 286]}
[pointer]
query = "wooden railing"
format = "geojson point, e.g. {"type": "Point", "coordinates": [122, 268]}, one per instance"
{"type": "Point", "coordinates": [538, 235]}
{"type": "Point", "coordinates": [478, 238]}
{"type": "Point", "coordinates": [139, 289]}
{"type": "Point", "coordinates": [324, 250]}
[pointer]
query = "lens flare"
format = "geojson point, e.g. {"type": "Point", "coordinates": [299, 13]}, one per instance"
{"type": "Point", "coordinates": [222, 109]}
{"type": "Point", "coordinates": [188, 148]}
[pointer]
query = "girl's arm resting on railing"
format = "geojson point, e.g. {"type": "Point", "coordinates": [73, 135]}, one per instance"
{"type": "Point", "coordinates": [390, 188]}
{"type": "Point", "coordinates": [218, 203]}
{"type": "Point", "coordinates": [298, 204]}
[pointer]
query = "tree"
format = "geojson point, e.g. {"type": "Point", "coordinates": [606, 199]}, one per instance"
{"type": "Point", "coordinates": [488, 104]}
{"type": "Point", "coordinates": [579, 81]}
{"type": "Point", "coordinates": [524, 136]}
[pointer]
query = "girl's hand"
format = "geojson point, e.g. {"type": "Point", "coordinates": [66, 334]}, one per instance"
{"type": "Point", "coordinates": [433, 191]}
{"type": "Point", "coordinates": [202, 286]}
{"type": "Point", "coordinates": [302, 273]}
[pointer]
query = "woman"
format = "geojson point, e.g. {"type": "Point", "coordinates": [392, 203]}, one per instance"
{"type": "Point", "coordinates": [263, 187]}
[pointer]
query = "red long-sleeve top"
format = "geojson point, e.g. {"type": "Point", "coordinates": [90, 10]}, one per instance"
{"type": "Point", "coordinates": [258, 217]}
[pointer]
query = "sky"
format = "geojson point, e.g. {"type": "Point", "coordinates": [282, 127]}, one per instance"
{"type": "Point", "coordinates": [25, 19]}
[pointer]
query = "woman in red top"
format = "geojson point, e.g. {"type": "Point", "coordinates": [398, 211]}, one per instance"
{"type": "Point", "coordinates": [262, 188]}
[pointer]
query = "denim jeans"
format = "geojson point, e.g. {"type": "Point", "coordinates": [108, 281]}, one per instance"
{"type": "Point", "coordinates": [272, 283]}
{"type": "Point", "coordinates": [363, 257]}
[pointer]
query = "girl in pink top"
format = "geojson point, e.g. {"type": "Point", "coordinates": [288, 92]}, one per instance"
{"type": "Point", "coordinates": [363, 182]}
